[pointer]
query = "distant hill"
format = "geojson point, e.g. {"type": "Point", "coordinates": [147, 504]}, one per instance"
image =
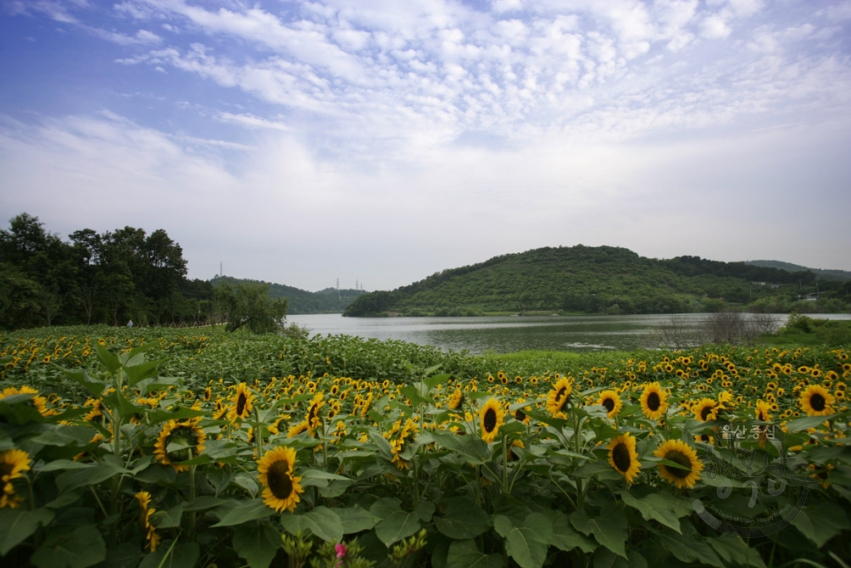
{"type": "Point", "coordinates": [327, 301]}
{"type": "Point", "coordinates": [837, 275]}
{"type": "Point", "coordinates": [611, 280]}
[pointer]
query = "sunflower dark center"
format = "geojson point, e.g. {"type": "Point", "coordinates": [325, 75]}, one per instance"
{"type": "Point", "coordinates": [653, 401]}
{"type": "Point", "coordinates": [490, 420]}
{"type": "Point", "coordinates": [559, 393]}
{"type": "Point", "coordinates": [817, 402]}
{"type": "Point", "coordinates": [760, 416]}
{"type": "Point", "coordinates": [621, 457]}
{"type": "Point", "coordinates": [609, 403]}
{"type": "Point", "coordinates": [705, 412]}
{"type": "Point", "coordinates": [5, 469]}
{"type": "Point", "coordinates": [519, 415]}
{"type": "Point", "coordinates": [240, 404]}
{"type": "Point", "coordinates": [678, 458]}
{"type": "Point", "coordinates": [278, 477]}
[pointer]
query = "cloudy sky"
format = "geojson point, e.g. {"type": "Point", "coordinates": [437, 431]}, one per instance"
{"type": "Point", "coordinates": [304, 141]}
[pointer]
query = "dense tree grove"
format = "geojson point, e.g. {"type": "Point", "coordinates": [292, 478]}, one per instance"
{"type": "Point", "coordinates": [110, 277]}
{"type": "Point", "coordinates": [611, 280]}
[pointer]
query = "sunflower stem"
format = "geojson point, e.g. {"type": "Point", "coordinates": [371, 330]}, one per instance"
{"type": "Point", "coordinates": [258, 433]}
{"type": "Point", "coordinates": [191, 531]}
{"type": "Point", "coordinates": [505, 488]}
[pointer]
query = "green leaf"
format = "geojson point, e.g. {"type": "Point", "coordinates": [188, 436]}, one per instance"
{"type": "Point", "coordinates": [525, 542]}
{"type": "Point", "coordinates": [140, 372]}
{"type": "Point", "coordinates": [203, 503]}
{"type": "Point", "coordinates": [257, 544]}
{"type": "Point", "coordinates": [243, 512]}
{"type": "Point", "coordinates": [62, 465]}
{"type": "Point", "coordinates": [93, 475]}
{"type": "Point", "coordinates": [66, 548]}
{"type": "Point", "coordinates": [65, 436]}
{"type": "Point", "coordinates": [356, 519]}
{"type": "Point", "coordinates": [821, 522]}
{"type": "Point", "coordinates": [689, 546]}
{"type": "Point", "coordinates": [424, 510]}
{"type": "Point", "coordinates": [397, 526]}
{"type": "Point", "coordinates": [167, 519]}
{"type": "Point", "coordinates": [605, 558]}
{"type": "Point", "coordinates": [107, 359]}
{"type": "Point", "coordinates": [413, 395]}
{"type": "Point", "coordinates": [435, 380]}
{"type": "Point", "coordinates": [125, 555]}
{"type": "Point", "coordinates": [321, 521]}
{"type": "Point", "coordinates": [733, 550]}
{"type": "Point", "coordinates": [463, 519]}
{"type": "Point", "coordinates": [465, 554]}
{"type": "Point", "coordinates": [91, 384]}
{"type": "Point", "coordinates": [473, 448]}
{"type": "Point", "coordinates": [564, 536]}
{"type": "Point", "coordinates": [16, 525]}
{"type": "Point", "coordinates": [184, 554]}
{"type": "Point", "coordinates": [806, 423]}
{"type": "Point", "coordinates": [609, 528]}
{"type": "Point", "coordinates": [661, 507]}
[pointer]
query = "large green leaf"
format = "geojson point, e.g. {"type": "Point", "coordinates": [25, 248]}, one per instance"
{"type": "Point", "coordinates": [689, 546]}
{"type": "Point", "coordinates": [821, 522]}
{"type": "Point", "coordinates": [463, 519]}
{"type": "Point", "coordinates": [107, 358]}
{"type": "Point", "coordinates": [16, 525]}
{"type": "Point", "coordinates": [609, 528]}
{"type": "Point", "coordinates": [93, 475]}
{"type": "Point", "coordinates": [525, 542]}
{"type": "Point", "coordinates": [321, 521]}
{"type": "Point", "coordinates": [178, 556]}
{"type": "Point", "coordinates": [564, 537]}
{"type": "Point", "coordinates": [465, 554]}
{"type": "Point", "coordinates": [473, 448]}
{"type": "Point", "coordinates": [661, 507]}
{"type": "Point", "coordinates": [397, 526]}
{"type": "Point", "coordinates": [356, 519]}
{"type": "Point", "coordinates": [257, 544]}
{"type": "Point", "coordinates": [68, 547]}
{"type": "Point", "coordinates": [243, 512]}
{"type": "Point", "coordinates": [733, 550]}
{"type": "Point", "coordinates": [806, 423]}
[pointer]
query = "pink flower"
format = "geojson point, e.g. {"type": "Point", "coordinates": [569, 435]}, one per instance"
{"type": "Point", "coordinates": [341, 550]}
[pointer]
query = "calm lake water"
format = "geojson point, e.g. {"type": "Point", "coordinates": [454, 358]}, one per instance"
{"type": "Point", "coordinates": [512, 333]}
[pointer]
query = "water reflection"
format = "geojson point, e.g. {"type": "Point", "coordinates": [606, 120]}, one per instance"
{"type": "Point", "coordinates": [513, 333]}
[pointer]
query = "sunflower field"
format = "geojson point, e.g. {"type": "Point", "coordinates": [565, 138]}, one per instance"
{"type": "Point", "coordinates": [151, 448]}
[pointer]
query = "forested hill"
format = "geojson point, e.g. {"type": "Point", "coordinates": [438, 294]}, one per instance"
{"type": "Point", "coordinates": [611, 280]}
{"type": "Point", "coordinates": [840, 275]}
{"type": "Point", "coordinates": [327, 301]}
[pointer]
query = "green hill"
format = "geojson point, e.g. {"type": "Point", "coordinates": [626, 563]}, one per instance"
{"type": "Point", "coordinates": [327, 301]}
{"type": "Point", "coordinates": [612, 280]}
{"type": "Point", "coordinates": [838, 275]}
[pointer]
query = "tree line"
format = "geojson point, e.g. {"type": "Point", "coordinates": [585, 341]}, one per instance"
{"type": "Point", "coordinates": [117, 277]}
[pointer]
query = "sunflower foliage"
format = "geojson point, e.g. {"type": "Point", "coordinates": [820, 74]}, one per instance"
{"type": "Point", "coordinates": [161, 448]}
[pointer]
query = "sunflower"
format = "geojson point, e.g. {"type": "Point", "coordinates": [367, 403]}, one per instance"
{"type": "Point", "coordinates": [38, 402]}
{"type": "Point", "coordinates": [491, 417]}
{"type": "Point", "coordinates": [762, 411]}
{"type": "Point", "coordinates": [653, 403]}
{"type": "Point", "coordinates": [611, 401]}
{"type": "Point", "coordinates": [521, 416]}
{"type": "Point", "coordinates": [145, 513]}
{"type": "Point", "coordinates": [512, 456]}
{"type": "Point", "coordinates": [558, 397]}
{"type": "Point", "coordinates": [684, 455]}
{"type": "Point", "coordinates": [816, 401]}
{"type": "Point", "coordinates": [297, 429]}
{"type": "Point", "coordinates": [282, 488]}
{"type": "Point", "coordinates": [313, 418]}
{"type": "Point", "coordinates": [186, 435]}
{"type": "Point", "coordinates": [12, 465]}
{"type": "Point", "coordinates": [456, 400]}
{"type": "Point", "coordinates": [623, 457]}
{"type": "Point", "coordinates": [705, 410]}
{"type": "Point", "coordinates": [243, 403]}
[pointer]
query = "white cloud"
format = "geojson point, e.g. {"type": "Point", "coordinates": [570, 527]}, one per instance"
{"type": "Point", "coordinates": [714, 27]}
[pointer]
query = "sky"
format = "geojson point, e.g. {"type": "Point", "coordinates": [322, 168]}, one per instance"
{"type": "Point", "coordinates": [379, 142]}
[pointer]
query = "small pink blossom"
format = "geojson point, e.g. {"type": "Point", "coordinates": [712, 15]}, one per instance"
{"type": "Point", "coordinates": [341, 550]}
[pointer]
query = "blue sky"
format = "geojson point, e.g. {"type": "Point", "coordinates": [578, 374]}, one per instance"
{"type": "Point", "coordinates": [382, 141]}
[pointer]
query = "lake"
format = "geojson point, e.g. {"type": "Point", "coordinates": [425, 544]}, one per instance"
{"type": "Point", "coordinates": [514, 333]}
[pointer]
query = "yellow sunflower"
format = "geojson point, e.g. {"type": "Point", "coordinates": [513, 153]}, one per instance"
{"type": "Point", "coordinates": [653, 401]}
{"type": "Point", "coordinates": [623, 457]}
{"type": "Point", "coordinates": [281, 488]}
{"type": "Point", "coordinates": [512, 455]}
{"type": "Point", "coordinates": [705, 410]}
{"type": "Point", "coordinates": [188, 439]}
{"type": "Point", "coordinates": [612, 402]}
{"type": "Point", "coordinates": [816, 401]}
{"type": "Point", "coordinates": [491, 417]}
{"type": "Point", "coordinates": [558, 397]}
{"type": "Point", "coordinates": [313, 419]}
{"type": "Point", "coordinates": [681, 454]}
{"type": "Point", "coordinates": [145, 513]}
{"type": "Point", "coordinates": [456, 400]}
{"type": "Point", "coordinates": [12, 465]}
{"type": "Point", "coordinates": [762, 411]}
{"type": "Point", "coordinates": [243, 403]}
{"type": "Point", "coordinates": [297, 429]}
